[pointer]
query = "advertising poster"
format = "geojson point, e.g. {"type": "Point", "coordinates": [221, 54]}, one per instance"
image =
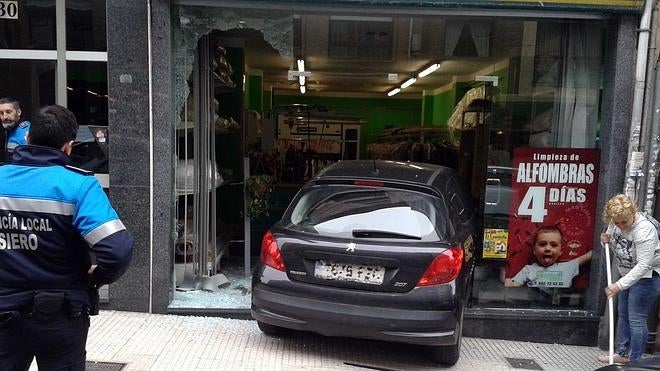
{"type": "Point", "coordinates": [495, 241]}
{"type": "Point", "coordinates": [553, 211]}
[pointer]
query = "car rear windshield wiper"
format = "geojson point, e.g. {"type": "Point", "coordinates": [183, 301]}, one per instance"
{"type": "Point", "coordinates": [368, 233]}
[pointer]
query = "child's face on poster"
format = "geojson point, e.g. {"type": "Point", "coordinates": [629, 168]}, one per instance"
{"type": "Point", "coordinates": [547, 248]}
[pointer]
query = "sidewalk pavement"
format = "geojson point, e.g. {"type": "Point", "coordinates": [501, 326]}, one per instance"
{"type": "Point", "coordinates": [185, 343]}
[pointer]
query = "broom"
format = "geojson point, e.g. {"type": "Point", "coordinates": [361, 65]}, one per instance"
{"type": "Point", "coordinates": [610, 302]}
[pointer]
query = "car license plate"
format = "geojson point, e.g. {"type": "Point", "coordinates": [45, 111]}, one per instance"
{"type": "Point", "coordinates": [369, 274]}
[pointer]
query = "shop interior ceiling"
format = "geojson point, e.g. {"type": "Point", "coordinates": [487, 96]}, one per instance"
{"type": "Point", "coordinates": [370, 48]}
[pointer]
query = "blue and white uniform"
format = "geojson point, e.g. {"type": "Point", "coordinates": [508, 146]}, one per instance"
{"type": "Point", "coordinates": [17, 135]}
{"type": "Point", "coordinates": [50, 216]}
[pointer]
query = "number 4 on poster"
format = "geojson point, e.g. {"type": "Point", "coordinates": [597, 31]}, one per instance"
{"type": "Point", "coordinates": [533, 204]}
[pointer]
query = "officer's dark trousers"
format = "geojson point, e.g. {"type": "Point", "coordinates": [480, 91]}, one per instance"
{"type": "Point", "coordinates": [58, 342]}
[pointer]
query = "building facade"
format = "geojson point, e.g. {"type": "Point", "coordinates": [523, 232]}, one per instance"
{"type": "Point", "coordinates": [512, 77]}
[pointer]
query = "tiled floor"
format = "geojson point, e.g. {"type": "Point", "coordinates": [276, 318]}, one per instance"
{"type": "Point", "coordinates": [166, 342]}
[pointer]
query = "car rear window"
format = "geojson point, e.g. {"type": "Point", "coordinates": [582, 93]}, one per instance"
{"type": "Point", "coordinates": [369, 212]}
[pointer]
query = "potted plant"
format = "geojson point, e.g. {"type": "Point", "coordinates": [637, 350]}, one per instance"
{"type": "Point", "coordinates": [258, 190]}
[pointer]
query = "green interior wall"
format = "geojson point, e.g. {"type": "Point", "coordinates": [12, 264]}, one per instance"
{"type": "Point", "coordinates": [379, 113]}
{"type": "Point", "coordinates": [252, 99]}
{"type": "Point", "coordinates": [247, 93]}
{"type": "Point", "coordinates": [427, 108]}
{"type": "Point", "coordinates": [443, 106]}
{"type": "Point", "coordinates": [503, 76]}
{"type": "Point", "coordinates": [265, 102]}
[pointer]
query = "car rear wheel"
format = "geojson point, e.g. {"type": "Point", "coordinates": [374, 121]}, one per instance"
{"type": "Point", "coordinates": [448, 354]}
{"type": "Point", "coordinates": [270, 330]}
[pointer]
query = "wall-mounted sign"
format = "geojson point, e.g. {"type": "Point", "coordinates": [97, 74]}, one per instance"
{"type": "Point", "coordinates": [553, 214]}
{"type": "Point", "coordinates": [8, 9]}
{"type": "Point", "coordinates": [293, 74]}
{"type": "Point", "coordinates": [487, 78]}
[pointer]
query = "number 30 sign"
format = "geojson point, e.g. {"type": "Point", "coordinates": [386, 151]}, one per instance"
{"type": "Point", "coordinates": [8, 9]}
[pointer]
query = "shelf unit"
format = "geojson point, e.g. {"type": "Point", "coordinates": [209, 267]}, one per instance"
{"type": "Point", "coordinates": [209, 158]}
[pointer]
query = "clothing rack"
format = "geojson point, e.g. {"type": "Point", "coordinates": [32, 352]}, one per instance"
{"type": "Point", "coordinates": [414, 143]}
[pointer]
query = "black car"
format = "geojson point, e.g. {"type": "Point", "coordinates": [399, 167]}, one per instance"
{"type": "Point", "coordinates": [90, 149]}
{"type": "Point", "coordinates": [644, 364]}
{"type": "Point", "coordinates": [371, 249]}
{"type": "Point", "coordinates": [498, 196]}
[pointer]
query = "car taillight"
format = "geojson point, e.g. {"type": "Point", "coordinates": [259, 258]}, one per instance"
{"type": "Point", "coordinates": [444, 268]}
{"type": "Point", "coordinates": [270, 252]}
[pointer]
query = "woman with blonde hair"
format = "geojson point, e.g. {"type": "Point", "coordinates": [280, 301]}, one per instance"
{"type": "Point", "coordinates": [634, 242]}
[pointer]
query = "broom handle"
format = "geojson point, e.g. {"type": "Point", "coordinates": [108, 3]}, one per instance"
{"type": "Point", "coordinates": [610, 303]}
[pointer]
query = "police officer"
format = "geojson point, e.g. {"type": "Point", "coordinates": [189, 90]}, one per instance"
{"type": "Point", "coordinates": [50, 215]}
{"type": "Point", "coordinates": [15, 128]}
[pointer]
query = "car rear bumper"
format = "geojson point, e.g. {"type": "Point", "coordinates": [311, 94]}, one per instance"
{"type": "Point", "coordinates": [424, 327]}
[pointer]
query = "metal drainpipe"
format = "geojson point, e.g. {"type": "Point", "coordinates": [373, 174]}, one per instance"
{"type": "Point", "coordinates": [652, 147]}
{"type": "Point", "coordinates": [151, 161]}
{"type": "Point", "coordinates": [651, 131]}
{"type": "Point", "coordinates": [635, 158]}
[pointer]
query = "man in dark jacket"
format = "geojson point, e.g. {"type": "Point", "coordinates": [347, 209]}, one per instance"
{"type": "Point", "coordinates": [50, 216]}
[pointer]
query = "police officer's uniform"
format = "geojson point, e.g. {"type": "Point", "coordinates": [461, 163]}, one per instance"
{"type": "Point", "coordinates": [16, 136]}
{"type": "Point", "coordinates": [50, 214]}
{"type": "Point", "coordinates": [3, 140]}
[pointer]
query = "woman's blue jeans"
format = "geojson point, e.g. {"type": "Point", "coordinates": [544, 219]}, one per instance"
{"type": "Point", "coordinates": [633, 308]}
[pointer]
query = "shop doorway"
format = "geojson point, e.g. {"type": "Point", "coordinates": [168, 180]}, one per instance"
{"type": "Point", "coordinates": [212, 260]}
{"type": "Point", "coordinates": [254, 120]}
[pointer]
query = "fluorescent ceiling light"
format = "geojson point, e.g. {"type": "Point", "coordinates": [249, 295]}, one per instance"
{"type": "Point", "coordinates": [301, 65]}
{"type": "Point", "coordinates": [430, 69]}
{"type": "Point", "coordinates": [408, 82]}
{"type": "Point", "coordinates": [303, 89]}
{"type": "Point", "coordinates": [301, 80]}
{"type": "Point", "coordinates": [393, 92]}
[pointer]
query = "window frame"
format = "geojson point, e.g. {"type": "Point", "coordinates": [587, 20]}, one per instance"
{"type": "Point", "coordinates": [60, 55]}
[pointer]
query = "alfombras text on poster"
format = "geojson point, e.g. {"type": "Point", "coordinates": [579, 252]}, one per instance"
{"type": "Point", "coordinates": [553, 172]}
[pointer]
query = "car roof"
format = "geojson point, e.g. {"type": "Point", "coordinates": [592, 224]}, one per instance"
{"type": "Point", "coordinates": [401, 171]}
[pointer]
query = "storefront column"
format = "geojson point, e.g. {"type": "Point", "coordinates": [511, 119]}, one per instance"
{"type": "Point", "coordinates": [614, 134]}
{"type": "Point", "coordinates": [161, 51]}
{"type": "Point", "coordinates": [140, 136]}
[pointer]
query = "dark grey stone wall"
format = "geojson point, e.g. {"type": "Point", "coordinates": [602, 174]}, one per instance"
{"type": "Point", "coordinates": [618, 80]}
{"type": "Point", "coordinates": [570, 328]}
{"type": "Point", "coordinates": [161, 46]}
{"type": "Point", "coordinates": [129, 125]}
